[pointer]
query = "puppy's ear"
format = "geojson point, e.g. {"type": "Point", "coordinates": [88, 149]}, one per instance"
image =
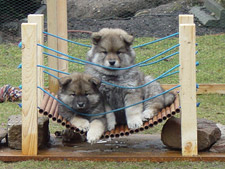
{"type": "Point", "coordinates": [128, 39]}
{"type": "Point", "coordinates": [95, 81]}
{"type": "Point", "coordinates": [64, 81]}
{"type": "Point", "coordinates": [96, 37]}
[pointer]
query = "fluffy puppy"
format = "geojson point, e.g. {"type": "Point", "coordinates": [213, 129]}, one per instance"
{"type": "Point", "coordinates": [112, 48]}
{"type": "Point", "coordinates": [81, 92]}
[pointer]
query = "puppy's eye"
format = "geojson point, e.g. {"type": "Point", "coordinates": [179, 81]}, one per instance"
{"type": "Point", "coordinates": [73, 94]}
{"type": "Point", "coordinates": [86, 93]}
{"type": "Point", "coordinates": [118, 52]}
{"type": "Point", "coordinates": [104, 52]}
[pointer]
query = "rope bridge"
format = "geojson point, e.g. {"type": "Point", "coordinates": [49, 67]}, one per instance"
{"type": "Point", "coordinates": [49, 106]}
{"type": "Point", "coordinates": [32, 78]}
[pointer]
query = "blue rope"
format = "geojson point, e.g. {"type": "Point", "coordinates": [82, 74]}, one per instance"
{"type": "Point", "coordinates": [164, 59]}
{"type": "Point", "coordinates": [159, 77]}
{"type": "Point", "coordinates": [84, 63]}
{"type": "Point", "coordinates": [170, 74]}
{"type": "Point", "coordinates": [77, 43]}
{"type": "Point", "coordinates": [157, 61]}
{"type": "Point", "coordinates": [19, 66]}
{"type": "Point", "coordinates": [145, 44]}
{"type": "Point", "coordinates": [51, 74]}
{"type": "Point", "coordinates": [53, 69]}
{"type": "Point", "coordinates": [112, 68]}
{"type": "Point", "coordinates": [45, 53]}
{"type": "Point", "coordinates": [100, 114]}
{"type": "Point", "coordinates": [165, 74]}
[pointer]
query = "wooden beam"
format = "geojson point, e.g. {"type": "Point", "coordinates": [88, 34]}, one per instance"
{"type": "Point", "coordinates": [187, 79]}
{"type": "Point", "coordinates": [29, 83]}
{"type": "Point", "coordinates": [39, 19]}
{"type": "Point", "coordinates": [62, 32]}
{"type": "Point", "coordinates": [52, 43]}
{"type": "Point", "coordinates": [203, 88]}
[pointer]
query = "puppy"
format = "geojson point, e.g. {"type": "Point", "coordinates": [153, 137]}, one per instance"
{"type": "Point", "coordinates": [112, 48]}
{"type": "Point", "coordinates": [81, 92]}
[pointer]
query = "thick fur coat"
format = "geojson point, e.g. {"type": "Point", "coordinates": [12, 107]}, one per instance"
{"type": "Point", "coordinates": [81, 92]}
{"type": "Point", "coordinates": [112, 48]}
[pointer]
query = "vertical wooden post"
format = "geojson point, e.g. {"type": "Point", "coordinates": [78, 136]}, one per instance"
{"type": "Point", "coordinates": [39, 19]}
{"type": "Point", "coordinates": [29, 83]}
{"type": "Point", "coordinates": [62, 32]}
{"type": "Point", "coordinates": [52, 43]}
{"type": "Point", "coordinates": [186, 19]}
{"type": "Point", "coordinates": [187, 80]}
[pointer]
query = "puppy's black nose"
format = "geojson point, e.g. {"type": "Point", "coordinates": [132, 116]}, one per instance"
{"type": "Point", "coordinates": [80, 104]}
{"type": "Point", "coordinates": [112, 62]}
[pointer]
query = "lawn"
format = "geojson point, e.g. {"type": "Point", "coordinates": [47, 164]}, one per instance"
{"type": "Point", "coordinates": [211, 56]}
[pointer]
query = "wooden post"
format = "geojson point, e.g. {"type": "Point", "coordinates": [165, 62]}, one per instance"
{"type": "Point", "coordinates": [52, 43]}
{"type": "Point", "coordinates": [186, 19]}
{"type": "Point", "coordinates": [62, 32]}
{"type": "Point", "coordinates": [39, 19]}
{"type": "Point", "coordinates": [29, 83]}
{"type": "Point", "coordinates": [187, 80]}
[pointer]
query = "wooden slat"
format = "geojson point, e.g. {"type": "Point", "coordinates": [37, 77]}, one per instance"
{"type": "Point", "coordinates": [119, 130]}
{"type": "Point", "coordinates": [204, 88]}
{"type": "Point", "coordinates": [48, 106]}
{"type": "Point", "coordinates": [29, 83]}
{"type": "Point", "coordinates": [62, 32]}
{"type": "Point", "coordinates": [39, 20]}
{"type": "Point", "coordinates": [52, 43]}
{"type": "Point", "coordinates": [44, 103]}
{"type": "Point", "coordinates": [187, 78]}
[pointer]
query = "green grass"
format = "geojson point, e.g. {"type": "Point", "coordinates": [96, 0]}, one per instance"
{"type": "Point", "coordinates": [211, 70]}
{"type": "Point", "coordinates": [110, 165]}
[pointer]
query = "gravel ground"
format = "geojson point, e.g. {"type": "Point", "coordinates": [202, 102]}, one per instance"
{"type": "Point", "coordinates": [156, 22]}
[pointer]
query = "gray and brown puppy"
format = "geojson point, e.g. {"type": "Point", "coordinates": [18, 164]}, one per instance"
{"type": "Point", "coordinates": [112, 48]}
{"type": "Point", "coordinates": [81, 92]}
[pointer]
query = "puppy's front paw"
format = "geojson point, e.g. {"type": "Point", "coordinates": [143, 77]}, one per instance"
{"type": "Point", "coordinates": [96, 130]}
{"type": "Point", "coordinates": [147, 114]}
{"type": "Point", "coordinates": [93, 136]}
{"type": "Point", "coordinates": [82, 124]}
{"type": "Point", "coordinates": [134, 122]}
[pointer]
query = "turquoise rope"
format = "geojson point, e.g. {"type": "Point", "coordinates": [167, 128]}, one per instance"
{"type": "Point", "coordinates": [159, 77]}
{"type": "Point", "coordinates": [77, 43]}
{"type": "Point", "coordinates": [100, 114]}
{"type": "Point", "coordinates": [53, 69]}
{"type": "Point", "coordinates": [157, 61]}
{"type": "Point", "coordinates": [112, 68]}
{"type": "Point", "coordinates": [145, 44]}
{"type": "Point", "coordinates": [138, 46]}
{"type": "Point", "coordinates": [45, 53]}
{"type": "Point", "coordinates": [51, 74]}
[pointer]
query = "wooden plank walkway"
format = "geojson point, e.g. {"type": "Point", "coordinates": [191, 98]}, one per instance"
{"type": "Point", "coordinates": [135, 148]}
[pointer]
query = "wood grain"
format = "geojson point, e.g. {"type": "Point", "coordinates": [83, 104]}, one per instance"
{"type": "Point", "coordinates": [29, 83]}
{"type": "Point", "coordinates": [187, 78]}
{"type": "Point", "coordinates": [39, 19]}
{"type": "Point", "coordinates": [52, 43]}
{"type": "Point", "coordinates": [62, 32]}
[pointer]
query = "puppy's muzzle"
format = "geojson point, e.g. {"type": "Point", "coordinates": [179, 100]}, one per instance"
{"type": "Point", "coordinates": [80, 105]}
{"type": "Point", "coordinates": [112, 62]}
